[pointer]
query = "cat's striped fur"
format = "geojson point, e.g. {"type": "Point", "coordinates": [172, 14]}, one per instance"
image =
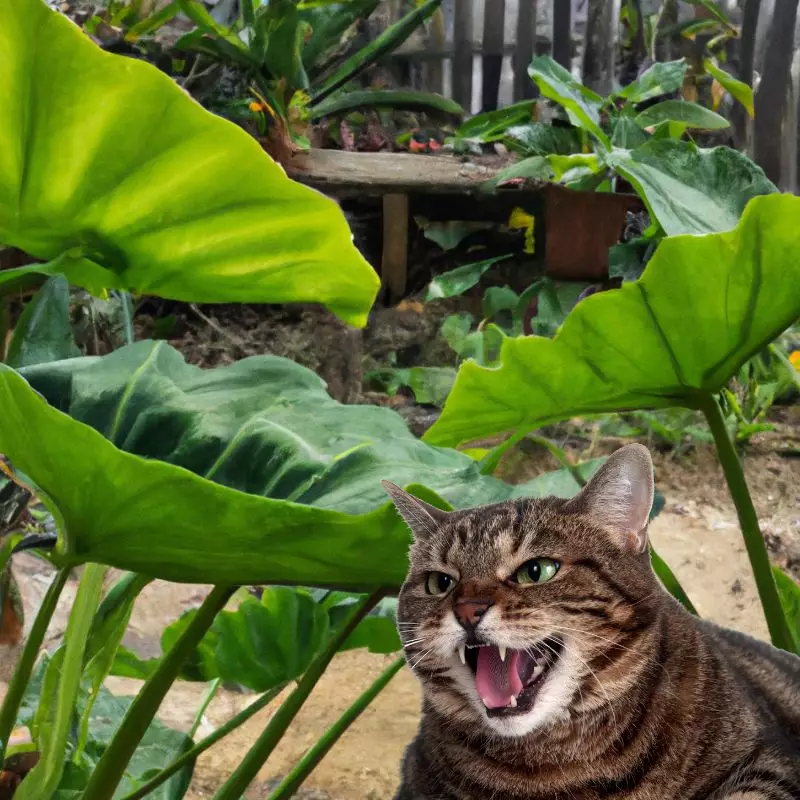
{"type": "Point", "coordinates": [644, 702]}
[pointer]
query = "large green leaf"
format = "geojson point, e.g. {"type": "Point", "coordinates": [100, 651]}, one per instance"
{"type": "Point", "coordinates": [43, 332]}
{"type": "Point", "coordinates": [581, 104]}
{"type": "Point", "coordinates": [703, 306]}
{"type": "Point", "coordinates": [250, 473]}
{"type": "Point", "coordinates": [689, 189]}
{"type": "Point", "coordinates": [106, 158]}
{"type": "Point", "coordinates": [664, 77]}
{"type": "Point", "coordinates": [689, 115]}
{"type": "Point", "coordinates": [490, 126]}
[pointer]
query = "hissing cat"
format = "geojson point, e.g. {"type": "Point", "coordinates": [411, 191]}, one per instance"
{"type": "Point", "coordinates": [554, 665]}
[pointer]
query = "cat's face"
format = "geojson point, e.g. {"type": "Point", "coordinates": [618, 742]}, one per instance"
{"type": "Point", "coordinates": [523, 613]}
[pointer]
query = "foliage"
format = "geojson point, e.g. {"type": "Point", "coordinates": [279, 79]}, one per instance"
{"type": "Point", "coordinates": [292, 51]}
{"type": "Point", "coordinates": [632, 348]}
{"type": "Point", "coordinates": [143, 190]}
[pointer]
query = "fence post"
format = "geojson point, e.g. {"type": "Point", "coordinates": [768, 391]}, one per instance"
{"type": "Point", "coordinates": [598, 47]}
{"type": "Point", "coordinates": [772, 94]}
{"type": "Point", "coordinates": [524, 87]}
{"type": "Point", "coordinates": [562, 32]}
{"type": "Point", "coordinates": [463, 43]}
{"type": "Point", "coordinates": [494, 19]}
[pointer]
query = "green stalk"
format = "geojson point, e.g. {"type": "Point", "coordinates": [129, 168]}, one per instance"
{"type": "Point", "coordinates": [291, 783]}
{"type": "Point", "coordinates": [256, 757]}
{"type": "Point", "coordinates": [748, 522]}
{"type": "Point", "coordinates": [560, 456]}
{"type": "Point", "coordinates": [670, 582]}
{"type": "Point", "coordinates": [54, 726]}
{"type": "Point", "coordinates": [190, 755]}
{"type": "Point", "coordinates": [111, 767]}
{"type": "Point", "coordinates": [27, 659]}
{"type": "Point", "coordinates": [211, 693]}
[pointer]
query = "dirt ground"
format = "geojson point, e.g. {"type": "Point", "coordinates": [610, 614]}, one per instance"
{"type": "Point", "coordinates": [696, 533]}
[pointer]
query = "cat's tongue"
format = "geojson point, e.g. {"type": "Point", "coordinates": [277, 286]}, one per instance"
{"type": "Point", "coordinates": [498, 682]}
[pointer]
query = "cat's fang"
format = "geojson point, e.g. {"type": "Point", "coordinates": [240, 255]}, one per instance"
{"type": "Point", "coordinates": [513, 702]}
{"type": "Point", "coordinates": [462, 655]}
{"type": "Point", "coordinates": [537, 671]}
{"type": "Point", "coordinates": [502, 651]}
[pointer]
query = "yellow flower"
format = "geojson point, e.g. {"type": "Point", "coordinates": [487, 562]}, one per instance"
{"type": "Point", "coordinates": [794, 359]}
{"type": "Point", "coordinates": [255, 106]}
{"type": "Point", "coordinates": [522, 220]}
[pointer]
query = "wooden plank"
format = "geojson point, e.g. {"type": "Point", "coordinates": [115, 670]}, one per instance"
{"type": "Point", "coordinates": [463, 44]}
{"type": "Point", "coordinates": [562, 32]}
{"type": "Point", "coordinates": [338, 171]}
{"type": "Point", "coordinates": [524, 87]}
{"type": "Point", "coordinates": [494, 19]}
{"type": "Point", "coordinates": [394, 261]}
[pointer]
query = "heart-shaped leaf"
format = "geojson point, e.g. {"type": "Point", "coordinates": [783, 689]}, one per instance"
{"type": "Point", "coordinates": [109, 165]}
{"type": "Point", "coordinates": [703, 306]}
{"type": "Point", "coordinates": [247, 474]}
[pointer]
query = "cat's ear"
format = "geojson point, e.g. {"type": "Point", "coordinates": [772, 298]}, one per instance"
{"type": "Point", "coordinates": [421, 517]}
{"type": "Point", "coordinates": [620, 495]}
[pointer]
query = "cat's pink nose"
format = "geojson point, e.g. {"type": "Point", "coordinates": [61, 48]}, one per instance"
{"type": "Point", "coordinates": [469, 610]}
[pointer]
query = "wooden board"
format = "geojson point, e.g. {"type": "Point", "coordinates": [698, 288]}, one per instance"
{"type": "Point", "coordinates": [342, 172]}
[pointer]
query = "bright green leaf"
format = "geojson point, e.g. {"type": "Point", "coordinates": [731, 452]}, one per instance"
{"type": "Point", "coordinates": [540, 139]}
{"type": "Point", "coordinates": [736, 88]}
{"type": "Point", "coordinates": [704, 305]}
{"type": "Point", "coordinates": [491, 126]}
{"type": "Point", "coordinates": [789, 592]}
{"type": "Point", "coordinates": [107, 157]}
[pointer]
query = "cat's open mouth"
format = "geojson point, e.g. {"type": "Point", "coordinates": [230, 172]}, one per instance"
{"type": "Point", "coordinates": [508, 680]}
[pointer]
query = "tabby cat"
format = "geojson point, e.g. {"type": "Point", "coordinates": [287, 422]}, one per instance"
{"type": "Point", "coordinates": [554, 665]}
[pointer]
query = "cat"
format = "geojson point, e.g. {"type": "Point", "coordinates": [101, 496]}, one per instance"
{"type": "Point", "coordinates": [555, 666]}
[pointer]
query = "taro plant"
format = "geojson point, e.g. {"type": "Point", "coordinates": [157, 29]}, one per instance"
{"type": "Point", "coordinates": [673, 338]}
{"type": "Point", "coordinates": [246, 475]}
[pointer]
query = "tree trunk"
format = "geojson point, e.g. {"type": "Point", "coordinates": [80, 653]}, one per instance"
{"type": "Point", "coordinates": [598, 49]}
{"type": "Point", "coordinates": [772, 93]}
{"type": "Point", "coordinates": [562, 33]}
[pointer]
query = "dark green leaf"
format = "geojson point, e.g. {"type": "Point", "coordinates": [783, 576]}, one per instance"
{"type": "Point", "coordinates": [627, 134]}
{"type": "Point", "coordinates": [535, 168]}
{"type": "Point", "coordinates": [328, 24]}
{"type": "Point", "coordinates": [703, 307]}
{"type": "Point", "coordinates": [581, 104]}
{"type": "Point", "coordinates": [393, 99]}
{"type": "Point", "coordinates": [384, 44]}
{"type": "Point", "coordinates": [43, 332]}
{"type": "Point", "coordinates": [248, 474]}
{"type": "Point", "coordinates": [491, 126]}
{"type": "Point", "coordinates": [459, 280]}
{"type": "Point", "coordinates": [539, 139]}
{"type": "Point", "coordinates": [688, 189]}
{"type": "Point", "coordinates": [497, 299]}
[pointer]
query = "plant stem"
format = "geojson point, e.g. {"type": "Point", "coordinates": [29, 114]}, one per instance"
{"type": "Point", "coordinates": [671, 583]}
{"type": "Point", "coordinates": [24, 668]}
{"type": "Point", "coordinates": [748, 522]}
{"type": "Point", "coordinates": [291, 783]}
{"type": "Point", "coordinates": [209, 741]}
{"type": "Point", "coordinates": [111, 767]}
{"type": "Point", "coordinates": [211, 693]}
{"type": "Point", "coordinates": [52, 737]}
{"type": "Point", "coordinates": [243, 775]}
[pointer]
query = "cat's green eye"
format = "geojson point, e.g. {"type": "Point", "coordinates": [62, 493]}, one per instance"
{"type": "Point", "coordinates": [537, 570]}
{"type": "Point", "coordinates": [439, 583]}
